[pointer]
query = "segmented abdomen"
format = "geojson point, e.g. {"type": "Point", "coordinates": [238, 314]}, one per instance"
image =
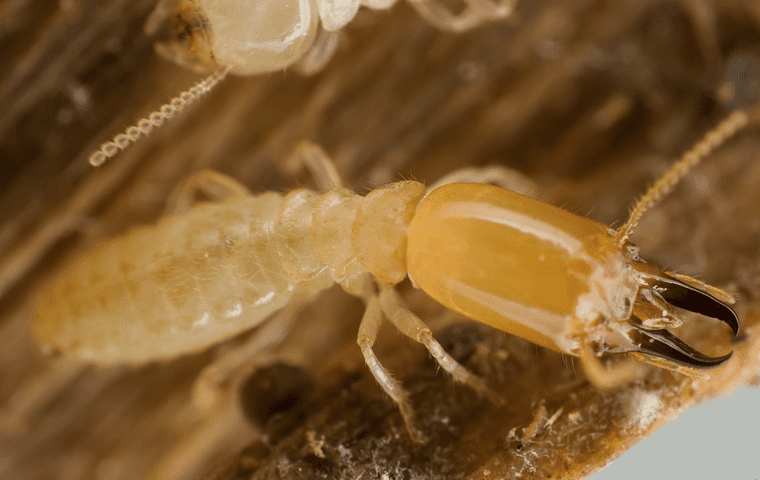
{"type": "Point", "coordinates": [186, 283]}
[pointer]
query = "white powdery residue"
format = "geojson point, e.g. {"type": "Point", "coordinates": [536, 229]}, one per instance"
{"type": "Point", "coordinates": [234, 311]}
{"type": "Point", "coordinates": [264, 300]}
{"type": "Point", "coordinates": [202, 321]}
{"type": "Point", "coordinates": [644, 409]}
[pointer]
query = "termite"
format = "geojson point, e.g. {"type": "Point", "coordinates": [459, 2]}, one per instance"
{"type": "Point", "coordinates": [260, 36]}
{"type": "Point", "coordinates": [263, 36]}
{"type": "Point", "coordinates": [526, 267]}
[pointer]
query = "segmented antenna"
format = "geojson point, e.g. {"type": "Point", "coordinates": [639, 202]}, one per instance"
{"type": "Point", "coordinates": [157, 118]}
{"type": "Point", "coordinates": [662, 187]}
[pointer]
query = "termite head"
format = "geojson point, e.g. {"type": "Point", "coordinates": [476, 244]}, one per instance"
{"type": "Point", "coordinates": [227, 36]}
{"type": "Point", "coordinates": [653, 312]}
{"type": "Point", "coordinates": [250, 37]}
{"type": "Point", "coordinates": [188, 41]}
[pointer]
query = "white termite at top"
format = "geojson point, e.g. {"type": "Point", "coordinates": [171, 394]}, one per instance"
{"type": "Point", "coordinates": [268, 35]}
{"type": "Point", "coordinates": [260, 36]}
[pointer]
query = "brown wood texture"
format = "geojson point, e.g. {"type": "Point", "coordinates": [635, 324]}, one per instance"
{"type": "Point", "coordinates": [590, 99]}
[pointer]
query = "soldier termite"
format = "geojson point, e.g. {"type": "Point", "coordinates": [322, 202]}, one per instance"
{"type": "Point", "coordinates": [523, 266]}
{"type": "Point", "coordinates": [260, 36]}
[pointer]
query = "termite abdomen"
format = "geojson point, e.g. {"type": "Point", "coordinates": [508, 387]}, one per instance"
{"type": "Point", "coordinates": [174, 288]}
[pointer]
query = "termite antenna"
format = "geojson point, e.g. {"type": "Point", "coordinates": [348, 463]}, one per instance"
{"type": "Point", "coordinates": [157, 118]}
{"type": "Point", "coordinates": [662, 187]}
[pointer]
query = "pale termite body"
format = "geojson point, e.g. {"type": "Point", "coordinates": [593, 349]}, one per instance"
{"type": "Point", "coordinates": [523, 266]}
{"type": "Point", "coordinates": [262, 36]}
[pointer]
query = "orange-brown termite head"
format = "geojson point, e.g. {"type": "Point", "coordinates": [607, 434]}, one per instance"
{"type": "Point", "coordinates": [562, 281]}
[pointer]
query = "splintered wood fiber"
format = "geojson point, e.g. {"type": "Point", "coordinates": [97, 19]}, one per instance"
{"type": "Point", "coordinates": [588, 100]}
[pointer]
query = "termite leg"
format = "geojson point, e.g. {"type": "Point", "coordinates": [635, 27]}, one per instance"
{"type": "Point", "coordinates": [498, 175]}
{"type": "Point", "coordinates": [370, 324]}
{"type": "Point", "coordinates": [310, 155]}
{"type": "Point", "coordinates": [216, 186]}
{"type": "Point", "coordinates": [473, 14]}
{"type": "Point", "coordinates": [491, 8]}
{"type": "Point", "coordinates": [214, 384]}
{"type": "Point", "coordinates": [606, 377]}
{"type": "Point", "coordinates": [413, 327]}
{"type": "Point", "coordinates": [320, 53]}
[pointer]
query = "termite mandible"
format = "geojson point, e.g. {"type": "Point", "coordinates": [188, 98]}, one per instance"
{"type": "Point", "coordinates": [528, 268]}
{"type": "Point", "coordinates": [261, 36]}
